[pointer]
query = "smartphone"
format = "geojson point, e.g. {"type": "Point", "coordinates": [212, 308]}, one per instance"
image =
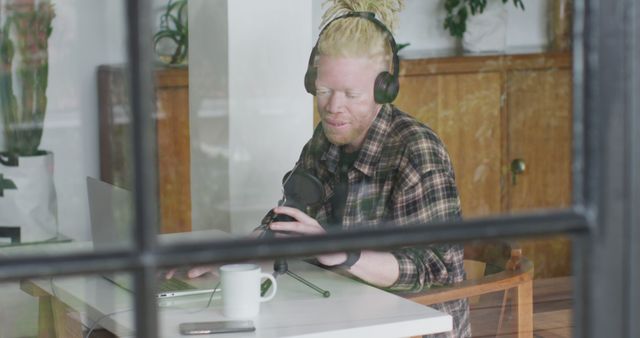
{"type": "Point", "coordinates": [222, 326]}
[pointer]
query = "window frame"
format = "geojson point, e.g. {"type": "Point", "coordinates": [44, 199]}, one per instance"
{"type": "Point", "coordinates": [606, 188]}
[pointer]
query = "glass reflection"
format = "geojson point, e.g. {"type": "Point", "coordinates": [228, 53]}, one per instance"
{"type": "Point", "coordinates": [503, 117]}
{"type": "Point", "coordinates": [69, 306]}
{"type": "Point", "coordinates": [60, 124]}
{"type": "Point", "coordinates": [535, 293]}
{"type": "Point", "coordinates": [500, 119]}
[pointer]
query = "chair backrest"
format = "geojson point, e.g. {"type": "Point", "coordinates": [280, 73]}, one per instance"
{"type": "Point", "coordinates": [517, 274]}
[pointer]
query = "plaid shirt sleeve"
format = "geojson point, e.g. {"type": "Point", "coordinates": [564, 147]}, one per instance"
{"type": "Point", "coordinates": [433, 198]}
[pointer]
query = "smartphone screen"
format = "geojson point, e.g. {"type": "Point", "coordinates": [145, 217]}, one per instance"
{"type": "Point", "coordinates": [222, 326]}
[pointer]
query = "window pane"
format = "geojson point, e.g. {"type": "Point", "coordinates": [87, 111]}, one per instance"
{"type": "Point", "coordinates": [69, 127]}
{"type": "Point", "coordinates": [504, 119]}
{"type": "Point", "coordinates": [298, 308]}
{"type": "Point", "coordinates": [68, 306]}
{"type": "Point", "coordinates": [501, 287]}
{"type": "Point", "coordinates": [231, 125]}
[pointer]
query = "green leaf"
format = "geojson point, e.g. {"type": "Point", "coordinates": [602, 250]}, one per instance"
{"type": "Point", "coordinates": [450, 5]}
{"type": "Point", "coordinates": [403, 45]}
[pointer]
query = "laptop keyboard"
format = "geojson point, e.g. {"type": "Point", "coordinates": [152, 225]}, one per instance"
{"type": "Point", "coordinates": [174, 284]}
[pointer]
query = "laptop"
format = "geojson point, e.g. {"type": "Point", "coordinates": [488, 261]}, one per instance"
{"type": "Point", "coordinates": [111, 216]}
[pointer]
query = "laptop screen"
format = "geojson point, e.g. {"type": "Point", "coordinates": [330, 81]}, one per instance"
{"type": "Point", "coordinates": [111, 215]}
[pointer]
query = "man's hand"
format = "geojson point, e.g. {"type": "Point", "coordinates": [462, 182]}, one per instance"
{"type": "Point", "coordinates": [302, 226]}
{"type": "Point", "coordinates": [194, 272]}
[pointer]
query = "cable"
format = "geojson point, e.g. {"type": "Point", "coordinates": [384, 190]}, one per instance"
{"type": "Point", "coordinates": [95, 324]}
{"type": "Point", "coordinates": [215, 288]}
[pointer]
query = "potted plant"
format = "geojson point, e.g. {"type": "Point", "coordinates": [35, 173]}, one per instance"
{"type": "Point", "coordinates": [480, 24]}
{"type": "Point", "coordinates": [24, 68]}
{"type": "Point", "coordinates": [171, 42]}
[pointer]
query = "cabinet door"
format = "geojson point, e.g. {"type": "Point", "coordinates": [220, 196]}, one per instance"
{"type": "Point", "coordinates": [539, 134]}
{"type": "Point", "coordinates": [464, 110]}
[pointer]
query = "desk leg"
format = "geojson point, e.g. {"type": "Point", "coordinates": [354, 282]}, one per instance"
{"type": "Point", "coordinates": [55, 319]}
{"type": "Point", "coordinates": [46, 327]}
{"type": "Point", "coordinates": [524, 308]}
{"type": "Point", "coordinates": [66, 323]}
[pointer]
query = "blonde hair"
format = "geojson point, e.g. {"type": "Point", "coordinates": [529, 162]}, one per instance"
{"type": "Point", "coordinates": [356, 36]}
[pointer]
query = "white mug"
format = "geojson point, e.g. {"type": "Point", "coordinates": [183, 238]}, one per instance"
{"type": "Point", "coordinates": [241, 290]}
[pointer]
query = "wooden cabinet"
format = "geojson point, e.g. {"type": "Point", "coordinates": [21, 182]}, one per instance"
{"type": "Point", "coordinates": [491, 111]}
{"type": "Point", "coordinates": [173, 145]}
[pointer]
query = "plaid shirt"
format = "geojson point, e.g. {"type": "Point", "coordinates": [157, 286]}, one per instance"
{"type": "Point", "coordinates": [402, 176]}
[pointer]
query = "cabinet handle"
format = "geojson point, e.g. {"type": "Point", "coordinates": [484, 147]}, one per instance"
{"type": "Point", "coordinates": [518, 166]}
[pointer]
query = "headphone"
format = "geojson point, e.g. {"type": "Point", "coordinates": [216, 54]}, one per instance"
{"type": "Point", "coordinates": [386, 85]}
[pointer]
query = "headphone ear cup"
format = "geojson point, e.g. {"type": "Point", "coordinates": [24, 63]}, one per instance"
{"type": "Point", "coordinates": [385, 88]}
{"type": "Point", "coordinates": [310, 80]}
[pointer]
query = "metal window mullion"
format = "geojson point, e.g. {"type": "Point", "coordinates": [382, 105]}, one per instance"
{"type": "Point", "coordinates": [633, 46]}
{"type": "Point", "coordinates": [580, 255]}
{"type": "Point", "coordinates": [578, 106]}
{"type": "Point", "coordinates": [145, 164]}
{"type": "Point", "coordinates": [580, 244]}
{"type": "Point", "coordinates": [538, 224]}
{"type": "Point", "coordinates": [607, 111]}
{"type": "Point", "coordinates": [566, 222]}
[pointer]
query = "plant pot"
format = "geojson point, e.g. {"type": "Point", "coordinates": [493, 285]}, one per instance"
{"type": "Point", "coordinates": [32, 205]}
{"type": "Point", "coordinates": [486, 32]}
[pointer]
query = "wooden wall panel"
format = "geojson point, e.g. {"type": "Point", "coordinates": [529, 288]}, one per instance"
{"type": "Point", "coordinates": [464, 110]}
{"type": "Point", "coordinates": [533, 123]}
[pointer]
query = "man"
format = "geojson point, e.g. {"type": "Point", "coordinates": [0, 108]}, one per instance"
{"type": "Point", "coordinates": [378, 165]}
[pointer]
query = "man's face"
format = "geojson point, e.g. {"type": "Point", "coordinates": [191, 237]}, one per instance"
{"type": "Point", "coordinates": [345, 99]}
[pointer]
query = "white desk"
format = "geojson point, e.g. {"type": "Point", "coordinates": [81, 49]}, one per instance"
{"type": "Point", "coordinates": [353, 310]}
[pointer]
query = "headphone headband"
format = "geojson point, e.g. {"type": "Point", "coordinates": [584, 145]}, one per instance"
{"type": "Point", "coordinates": [386, 85]}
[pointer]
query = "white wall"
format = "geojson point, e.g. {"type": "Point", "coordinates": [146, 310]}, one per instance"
{"type": "Point", "coordinates": [268, 114]}
{"type": "Point", "coordinates": [420, 24]}
{"type": "Point", "coordinates": [209, 120]}
{"type": "Point", "coordinates": [86, 33]}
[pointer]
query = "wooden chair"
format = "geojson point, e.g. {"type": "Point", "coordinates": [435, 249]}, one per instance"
{"type": "Point", "coordinates": [517, 275]}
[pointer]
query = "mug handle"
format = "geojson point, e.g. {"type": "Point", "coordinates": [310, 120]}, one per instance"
{"type": "Point", "coordinates": [274, 287]}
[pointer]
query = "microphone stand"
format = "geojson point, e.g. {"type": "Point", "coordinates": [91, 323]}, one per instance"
{"type": "Point", "coordinates": [281, 267]}
{"type": "Point", "coordinates": [297, 188]}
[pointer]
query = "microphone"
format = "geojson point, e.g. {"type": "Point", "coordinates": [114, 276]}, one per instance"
{"type": "Point", "coordinates": [301, 190]}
